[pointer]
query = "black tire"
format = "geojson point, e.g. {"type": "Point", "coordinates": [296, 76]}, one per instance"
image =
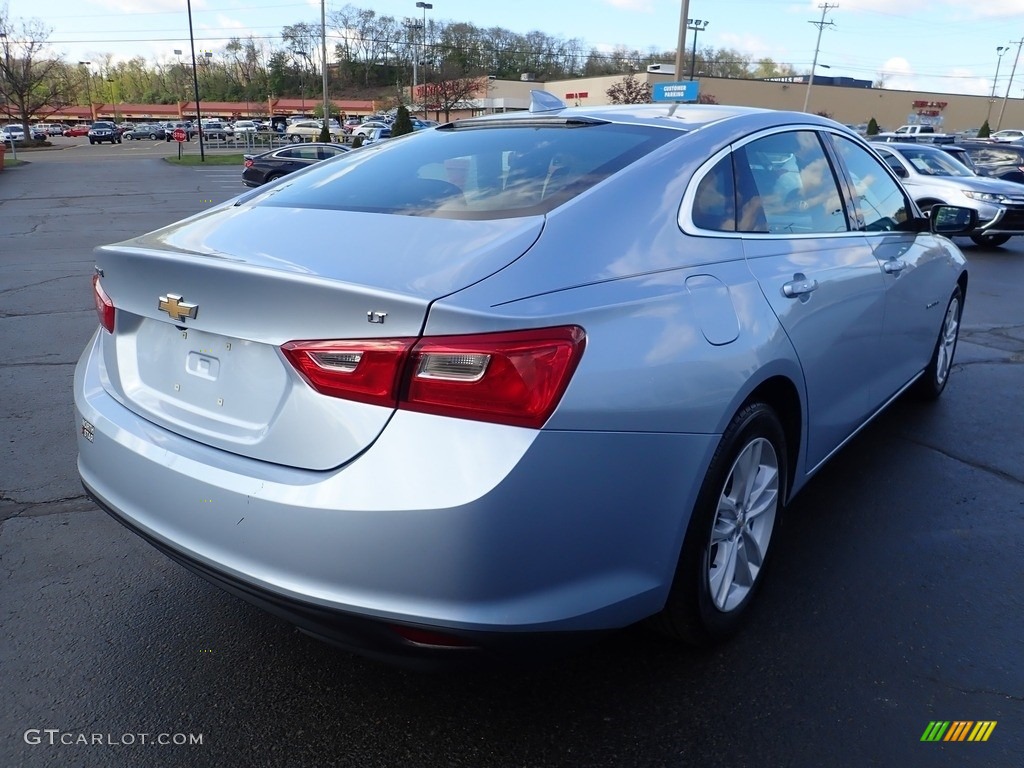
{"type": "Point", "coordinates": [272, 177]}
{"type": "Point", "coordinates": [936, 375]}
{"type": "Point", "coordinates": [991, 241]}
{"type": "Point", "coordinates": [129, 137]}
{"type": "Point", "coordinates": [152, 136]}
{"type": "Point", "coordinates": [693, 613]}
{"type": "Point", "coordinates": [91, 141]}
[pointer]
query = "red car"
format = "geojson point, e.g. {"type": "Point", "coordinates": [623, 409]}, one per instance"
{"type": "Point", "coordinates": [77, 130]}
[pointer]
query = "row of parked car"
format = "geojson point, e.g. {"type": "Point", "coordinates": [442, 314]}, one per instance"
{"type": "Point", "coordinates": [296, 130]}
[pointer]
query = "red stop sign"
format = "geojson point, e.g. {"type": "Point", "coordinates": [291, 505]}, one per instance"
{"type": "Point", "coordinates": [179, 134]}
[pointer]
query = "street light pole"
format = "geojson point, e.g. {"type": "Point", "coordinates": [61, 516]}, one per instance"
{"type": "Point", "coordinates": [697, 26]}
{"type": "Point", "coordinates": [413, 26]}
{"type": "Point", "coordinates": [113, 98]}
{"type": "Point", "coordinates": [195, 83]}
{"type": "Point", "coordinates": [1002, 108]}
{"type": "Point", "coordinates": [179, 78]}
{"type": "Point", "coordinates": [426, 7]}
{"type": "Point", "coordinates": [88, 88]}
{"type": "Point", "coordinates": [323, 44]}
{"type": "Point", "coordinates": [1000, 50]}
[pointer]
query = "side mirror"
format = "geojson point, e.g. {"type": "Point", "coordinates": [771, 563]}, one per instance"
{"type": "Point", "coordinates": [952, 220]}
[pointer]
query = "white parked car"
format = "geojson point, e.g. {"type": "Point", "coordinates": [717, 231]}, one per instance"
{"type": "Point", "coordinates": [13, 133]}
{"type": "Point", "coordinates": [1011, 134]}
{"type": "Point", "coordinates": [367, 127]}
{"type": "Point", "coordinates": [309, 130]}
{"type": "Point", "coordinates": [244, 126]}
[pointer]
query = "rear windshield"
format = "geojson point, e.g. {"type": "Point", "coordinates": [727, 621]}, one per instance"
{"type": "Point", "coordinates": [472, 172]}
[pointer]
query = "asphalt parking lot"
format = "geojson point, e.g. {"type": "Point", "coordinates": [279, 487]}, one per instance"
{"type": "Point", "coordinates": [895, 599]}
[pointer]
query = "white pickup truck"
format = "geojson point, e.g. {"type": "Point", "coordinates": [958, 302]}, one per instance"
{"type": "Point", "coordinates": [916, 133]}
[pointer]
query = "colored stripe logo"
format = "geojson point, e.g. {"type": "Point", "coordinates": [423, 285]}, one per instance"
{"type": "Point", "coordinates": [958, 730]}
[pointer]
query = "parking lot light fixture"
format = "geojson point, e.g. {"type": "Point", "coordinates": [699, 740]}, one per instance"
{"type": "Point", "coordinates": [696, 25]}
{"type": "Point", "coordinates": [426, 7]}
{"type": "Point", "coordinates": [1000, 50]}
{"type": "Point", "coordinates": [195, 84]}
{"type": "Point", "coordinates": [88, 88]}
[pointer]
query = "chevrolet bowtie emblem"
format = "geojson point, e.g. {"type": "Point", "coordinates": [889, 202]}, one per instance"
{"type": "Point", "coordinates": [176, 308]}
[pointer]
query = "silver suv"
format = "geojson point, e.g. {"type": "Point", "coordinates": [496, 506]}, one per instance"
{"type": "Point", "coordinates": [933, 177]}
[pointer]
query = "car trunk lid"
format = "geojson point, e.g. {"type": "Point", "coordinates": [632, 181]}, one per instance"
{"type": "Point", "coordinates": [204, 306]}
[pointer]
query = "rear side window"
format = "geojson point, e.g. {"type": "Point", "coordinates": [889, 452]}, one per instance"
{"type": "Point", "coordinates": [474, 172]}
{"type": "Point", "coordinates": [714, 204]}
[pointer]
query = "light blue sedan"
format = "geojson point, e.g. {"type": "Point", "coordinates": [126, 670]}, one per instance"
{"type": "Point", "coordinates": [517, 379]}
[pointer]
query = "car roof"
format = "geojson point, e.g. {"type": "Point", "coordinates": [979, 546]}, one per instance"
{"type": "Point", "coordinates": [683, 117]}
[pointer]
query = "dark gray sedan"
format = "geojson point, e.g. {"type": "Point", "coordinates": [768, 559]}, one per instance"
{"type": "Point", "coordinates": [517, 379]}
{"type": "Point", "coordinates": [271, 165]}
{"type": "Point", "coordinates": [152, 131]}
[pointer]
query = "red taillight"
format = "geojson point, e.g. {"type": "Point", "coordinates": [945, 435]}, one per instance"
{"type": "Point", "coordinates": [104, 306]}
{"type": "Point", "coordinates": [514, 378]}
{"type": "Point", "coordinates": [367, 371]}
{"type": "Point", "coordinates": [248, 162]}
{"type": "Point", "coordinates": [510, 378]}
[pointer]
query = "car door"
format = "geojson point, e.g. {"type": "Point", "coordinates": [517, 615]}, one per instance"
{"type": "Point", "coordinates": [915, 268]}
{"type": "Point", "coordinates": [821, 278]}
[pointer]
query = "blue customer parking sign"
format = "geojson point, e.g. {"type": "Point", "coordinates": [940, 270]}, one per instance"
{"type": "Point", "coordinates": [685, 90]}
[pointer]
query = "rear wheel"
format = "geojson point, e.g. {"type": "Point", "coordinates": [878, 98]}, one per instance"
{"type": "Point", "coordinates": [990, 240]}
{"type": "Point", "coordinates": [933, 380]}
{"type": "Point", "coordinates": [727, 541]}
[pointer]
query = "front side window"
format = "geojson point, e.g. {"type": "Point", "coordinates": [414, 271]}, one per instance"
{"type": "Point", "coordinates": [879, 203]}
{"type": "Point", "coordinates": [786, 185]}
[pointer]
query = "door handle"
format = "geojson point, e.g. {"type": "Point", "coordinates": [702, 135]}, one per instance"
{"type": "Point", "coordinates": [800, 285]}
{"type": "Point", "coordinates": [894, 266]}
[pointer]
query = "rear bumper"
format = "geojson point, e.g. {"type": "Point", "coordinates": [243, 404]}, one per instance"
{"type": "Point", "coordinates": [487, 532]}
{"type": "Point", "coordinates": [373, 638]}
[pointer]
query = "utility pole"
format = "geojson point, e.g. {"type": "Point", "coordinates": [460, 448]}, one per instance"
{"type": "Point", "coordinates": [684, 14]}
{"type": "Point", "coordinates": [817, 46]}
{"type": "Point", "coordinates": [1002, 108]}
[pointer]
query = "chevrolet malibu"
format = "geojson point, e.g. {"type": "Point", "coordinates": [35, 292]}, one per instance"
{"type": "Point", "coordinates": [594, 353]}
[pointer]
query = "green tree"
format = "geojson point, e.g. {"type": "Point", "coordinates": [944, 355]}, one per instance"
{"type": "Point", "coordinates": [403, 123]}
{"type": "Point", "coordinates": [872, 127]}
{"type": "Point", "coordinates": [985, 131]}
{"type": "Point", "coordinates": [31, 85]}
{"type": "Point", "coordinates": [629, 90]}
